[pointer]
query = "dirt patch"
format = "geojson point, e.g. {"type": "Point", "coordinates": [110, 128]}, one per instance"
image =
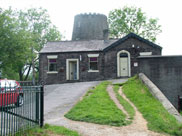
{"type": "Point", "coordinates": [139, 123]}
{"type": "Point", "coordinates": [50, 133]}
{"type": "Point", "coordinates": [113, 97]}
{"type": "Point", "coordinates": [143, 91]}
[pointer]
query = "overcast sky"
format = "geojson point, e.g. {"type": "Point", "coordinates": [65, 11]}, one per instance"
{"type": "Point", "coordinates": [62, 12]}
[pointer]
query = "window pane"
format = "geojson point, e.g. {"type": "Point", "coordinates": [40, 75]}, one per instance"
{"type": "Point", "coordinates": [93, 66]}
{"type": "Point", "coordinates": [93, 59]}
{"type": "Point", "coordinates": [52, 67]}
{"type": "Point", "coordinates": [123, 55]}
{"type": "Point", "coordinates": [52, 60]}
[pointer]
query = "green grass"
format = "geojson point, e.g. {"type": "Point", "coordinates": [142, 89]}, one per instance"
{"type": "Point", "coordinates": [48, 130]}
{"type": "Point", "coordinates": [158, 118]}
{"type": "Point", "coordinates": [97, 107]}
{"type": "Point", "coordinates": [124, 103]}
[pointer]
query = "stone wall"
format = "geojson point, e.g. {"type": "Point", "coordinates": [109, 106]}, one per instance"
{"type": "Point", "coordinates": [156, 92]}
{"type": "Point", "coordinates": [110, 57]}
{"type": "Point", "coordinates": [60, 77]}
{"type": "Point", "coordinates": [107, 62]}
{"type": "Point", "coordinates": [89, 27]}
{"type": "Point", "coordinates": [166, 73]}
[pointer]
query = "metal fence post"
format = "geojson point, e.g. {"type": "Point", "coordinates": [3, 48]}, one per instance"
{"type": "Point", "coordinates": [37, 113]}
{"type": "Point", "coordinates": [18, 114]}
{"type": "Point", "coordinates": [42, 106]}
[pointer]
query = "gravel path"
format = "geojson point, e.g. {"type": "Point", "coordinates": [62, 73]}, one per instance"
{"type": "Point", "coordinates": [137, 128]}
{"type": "Point", "coordinates": [139, 124]}
{"type": "Point", "coordinates": [113, 97]}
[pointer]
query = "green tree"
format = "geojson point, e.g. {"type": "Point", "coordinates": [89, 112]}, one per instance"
{"type": "Point", "coordinates": [20, 32]}
{"type": "Point", "coordinates": [37, 21]}
{"type": "Point", "coordinates": [132, 19]}
{"type": "Point", "coordinates": [12, 45]}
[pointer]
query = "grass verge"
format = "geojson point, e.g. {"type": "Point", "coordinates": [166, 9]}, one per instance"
{"type": "Point", "coordinates": [49, 130]}
{"type": "Point", "coordinates": [157, 116]}
{"type": "Point", "coordinates": [124, 103]}
{"type": "Point", "coordinates": [97, 107]}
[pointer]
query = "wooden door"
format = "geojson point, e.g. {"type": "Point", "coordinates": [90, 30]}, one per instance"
{"type": "Point", "coordinates": [73, 70]}
{"type": "Point", "coordinates": [124, 66]}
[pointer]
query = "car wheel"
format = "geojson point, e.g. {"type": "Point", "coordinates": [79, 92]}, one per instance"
{"type": "Point", "coordinates": [19, 101]}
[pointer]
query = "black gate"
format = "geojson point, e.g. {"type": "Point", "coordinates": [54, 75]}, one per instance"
{"type": "Point", "coordinates": [21, 108]}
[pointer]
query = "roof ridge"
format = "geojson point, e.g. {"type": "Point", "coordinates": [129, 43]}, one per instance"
{"type": "Point", "coordinates": [81, 40]}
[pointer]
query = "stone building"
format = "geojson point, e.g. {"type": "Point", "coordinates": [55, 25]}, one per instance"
{"type": "Point", "coordinates": [91, 55]}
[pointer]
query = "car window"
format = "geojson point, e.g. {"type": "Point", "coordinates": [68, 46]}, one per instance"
{"type": "Point", "coordinates": [7, 83]}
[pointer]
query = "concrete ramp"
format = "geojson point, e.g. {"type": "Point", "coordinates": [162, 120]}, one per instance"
{"type": "Point", "coordinates": [160, 96]}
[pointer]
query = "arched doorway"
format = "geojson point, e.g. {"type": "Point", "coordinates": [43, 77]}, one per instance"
{"type": "Point", "coordinates": [123, 64]}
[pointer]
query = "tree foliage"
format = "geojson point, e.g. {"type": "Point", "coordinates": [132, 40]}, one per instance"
{"type": "Point", "coordinates": [132, 19]}
{"type": "Point", "coordinates": [37, 21]}
{"type": "Point", "coordinates": [20, 31]}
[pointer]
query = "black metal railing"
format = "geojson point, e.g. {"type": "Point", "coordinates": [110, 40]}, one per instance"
{"type": "Point", "coordinates": [21, 108]}
{"type": "Point", "coordinates": [28, 83]}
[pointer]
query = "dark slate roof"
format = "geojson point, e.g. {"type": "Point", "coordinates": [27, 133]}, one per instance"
{"type": "Point", "coordinates": [76, 46]}
{"type": "Point", "coordinates": [90, 45]}
{"type": "Point", "coordinates": [132, 35]}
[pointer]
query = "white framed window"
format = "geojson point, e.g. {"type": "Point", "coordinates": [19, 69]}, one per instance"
{"type": "Point", "coordinates": [93, 62]}
{"type": "Point", "coordinates": [145, 53]}
{"type": "Point", "coordinates": [52, 64]}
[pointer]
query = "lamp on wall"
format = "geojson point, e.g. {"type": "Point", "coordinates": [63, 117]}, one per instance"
{"type": "Point", "coordinates": [80, 57]}
{"type": "Point", "coordinates": [133, 46]}
{"type": "Point", "coordinates": [135, 50]}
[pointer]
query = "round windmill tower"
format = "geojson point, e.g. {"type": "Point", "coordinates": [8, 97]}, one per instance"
{"type": "Point", "coordinates": [90, 27]}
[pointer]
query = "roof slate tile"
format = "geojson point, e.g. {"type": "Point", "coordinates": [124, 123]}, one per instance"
{"type": "Point", "coordinates": [76, 46]}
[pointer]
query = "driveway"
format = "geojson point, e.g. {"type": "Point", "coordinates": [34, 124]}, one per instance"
{"type": "Point", "coordinates": [59, 98]}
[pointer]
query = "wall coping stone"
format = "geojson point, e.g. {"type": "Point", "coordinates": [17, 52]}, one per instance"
{"type": "Point", "coordinates": [156, 92]}
{"type": "Point", "coordinates": [159, 56]}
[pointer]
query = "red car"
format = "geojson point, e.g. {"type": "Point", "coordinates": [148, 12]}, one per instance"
{"type": "Point", "coordinates": [10, 93]}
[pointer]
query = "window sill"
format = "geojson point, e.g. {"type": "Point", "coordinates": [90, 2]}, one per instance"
{"type": "Point", "coordinates": [93, 71]}
{"type": "Point", "coordinates": [52, 72]}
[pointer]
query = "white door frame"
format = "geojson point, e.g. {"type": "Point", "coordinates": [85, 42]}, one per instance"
{"type": "Point", "coordinates": [67, 68]}
{"type": "Point", "coordinates": [119, 63]}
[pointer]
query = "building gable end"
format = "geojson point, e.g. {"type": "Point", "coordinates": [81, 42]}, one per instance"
{"type": "Point", "coordinates": [131, 35]}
